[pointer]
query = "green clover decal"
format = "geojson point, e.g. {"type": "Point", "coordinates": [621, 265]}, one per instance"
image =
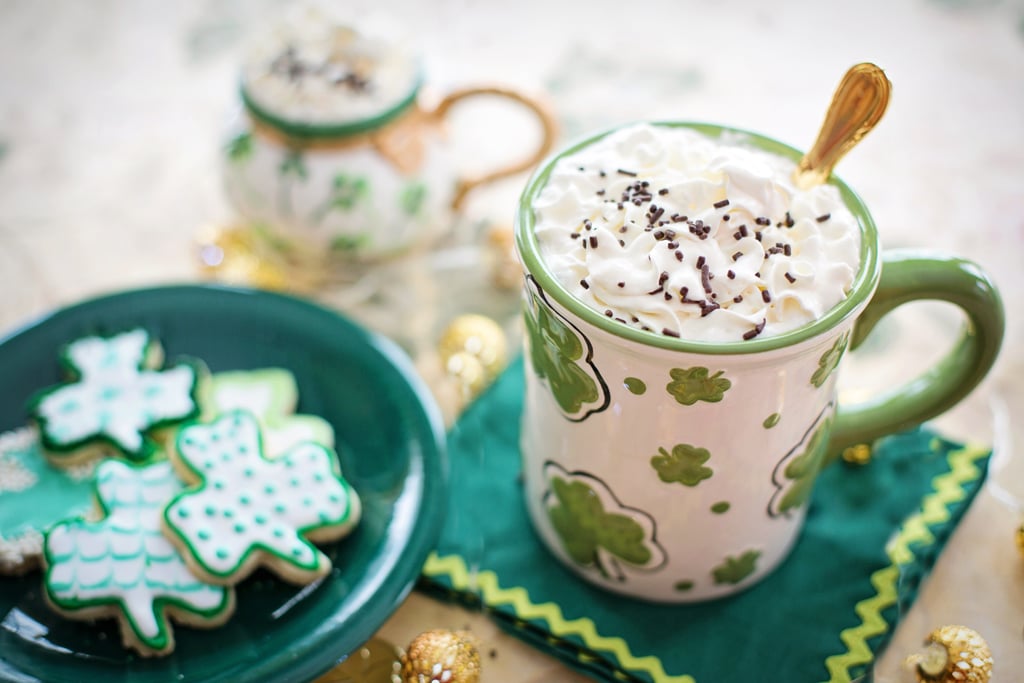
{"type": "Point", "coordinates": [794, 476]}
{"type": "Point", "coordinates": [240, 147]}
{"type": "Point", "coordinates": [293, 164]}
{"type": "Point", "coordinates": [690, 385]}
{"type": "Point", "coordinates": [586, 528]}
{"type": "Point", "coordinates": [411, 198]}
{"type": "Point", "coordinates": [291, 169]}
{"type": "Point", "coordinates": [829, 360]}
{"type": "Point", "coordinates": [735, 569]}
{"type": "Point", "coordinates": [803, 469]}
{"type": "Point", "coordinates": [555, 351]}
{"type": "Point", "coordinates": [345, 194]}
{"type": "Point", "coordinates": [685, 465]}
{"type": "Point", "coordinates": [347, 243]}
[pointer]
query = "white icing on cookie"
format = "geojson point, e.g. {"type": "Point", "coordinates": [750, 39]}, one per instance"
{"type": "Point", "coordinates": [115, 397]}
{"type": "Point", "coordinates": [271, 395]}
{"type": "Point", "coordinates": [124, 563]}
{"type": "Point", "coordinates": [249, 510]}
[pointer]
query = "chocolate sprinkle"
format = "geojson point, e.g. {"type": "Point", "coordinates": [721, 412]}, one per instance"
{"type": "Point", "coordinates": [670, 333]}
{"type": "Point", "coordinates": [730, 274]}
{"type": "Point", "coordinates": [737, 255]}
{"type": "Point", "coordinates": [790, 278]}
{"type": "Point", "coordinates": [750, 334]}
{"type": "Point", "coordinates": [761, 220]}
{"type": "Point", "coordinates": [668, 296]}
{"type": "Point", "coordinates": [757, 235]}
{"type": "Point", "coordinates": [608, 312]}
{"type": "Point", "coordinates": [622, 243]}
{"type": "Point", "coordinates": [679, 256]}
{"type": "Point", "coordinates": [787, 250]}
{"type": "Point", "coordinates": [737, 299]}
{"type": "Point", "coordinates": [707, 308]}
{"type": "Point", "coordinates": [593, 242]}
{"type": "Point", "coordinates": [766, 296]}
{"type": "Point", "coordinates": [789, 220]}
{"type": "Point", "coordinates": [621, 284]}
{"type": "Point", "coordinates": [658, 290]}
{"type": "Point", "coordinates": [601, 191]}
{"type": "Point", "coordinates": [726, 217]}
{"type": "Point", "coordinates": [721, 204]}
{"type": "Point", "coordinates": [705, 278]}
{"type": "Point", "coordinates": [743, 230]}
{"type": "Point", "coordinates": [701, 261]}
{"type": "Point", "coordinates": [663, 191]}
{"type": "Point", "coordinates": [823, 218]}
{"type": "Point", "coordinates": [584, 284]}
{"type": "Point", "coordinates": [622, 171]}
{"type": "Point", "coordinates": [574, 235]}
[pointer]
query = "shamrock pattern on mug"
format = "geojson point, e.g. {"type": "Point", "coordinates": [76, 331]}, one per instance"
{"type": "Point", "coordinates": [562, 355]}
{"type": "Point", "coordinates": [596, 530]}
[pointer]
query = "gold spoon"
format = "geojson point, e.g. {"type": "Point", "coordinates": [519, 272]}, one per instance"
{"type": "Point", "coordinates": [857, 105]}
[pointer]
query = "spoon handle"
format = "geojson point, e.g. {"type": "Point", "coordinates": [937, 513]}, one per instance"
{"type": "Point", "coordinates": [857, 105]}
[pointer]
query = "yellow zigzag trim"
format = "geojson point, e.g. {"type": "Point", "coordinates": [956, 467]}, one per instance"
{"type": "Point", "coordinates": [947, 490]}
{"type": "Point", "coordinates": [485, 583]}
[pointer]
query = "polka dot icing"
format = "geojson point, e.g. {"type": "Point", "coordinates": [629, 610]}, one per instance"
{"type": "Point", "coordinates": [124, 563]}
{"type": "Point", "coordinates": [115, 397]}
{"type": "Point", "coordinates": [299, 490]}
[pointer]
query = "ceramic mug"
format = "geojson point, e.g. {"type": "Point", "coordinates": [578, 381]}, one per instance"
{"type": "Point", "coordinates": [362, 185]}
{"type": "Point", "coordinates": [677, 471]}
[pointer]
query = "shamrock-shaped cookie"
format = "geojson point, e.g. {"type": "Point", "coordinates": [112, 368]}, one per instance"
{"type": "Point", "coordinates": [245, 510]}
{"type": "Point", "coordinates": [116, 396]}
{"type": "Point", "coordinates": [271, 395]}
{"type": "Point", "coordinates": [123, 566]}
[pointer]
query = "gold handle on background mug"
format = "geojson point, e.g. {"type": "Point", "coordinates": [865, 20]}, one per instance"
{"type": "Point", "coordinates": [548, 134]}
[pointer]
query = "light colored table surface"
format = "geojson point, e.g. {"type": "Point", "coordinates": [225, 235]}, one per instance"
{"type": "Point", "coordinates": [111, 117]}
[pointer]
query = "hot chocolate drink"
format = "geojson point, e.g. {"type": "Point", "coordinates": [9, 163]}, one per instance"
{"type": "Point", "coordinates": [707, 239]}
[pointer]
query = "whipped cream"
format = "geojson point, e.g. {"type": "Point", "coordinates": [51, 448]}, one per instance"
{"type": "Point", "coordinates": [667, 230]}
{"type": "Point", "coordinates": [312, 68]}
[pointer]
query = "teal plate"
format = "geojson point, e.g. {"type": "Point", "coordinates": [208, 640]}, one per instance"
{"type": "Point", "coordinates": [390, 442]}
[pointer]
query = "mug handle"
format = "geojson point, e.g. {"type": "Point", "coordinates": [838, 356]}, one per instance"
{"type": "Point", "coordinates": [909, 276]}
{"type": "Point", "coordinates": [547, 122]}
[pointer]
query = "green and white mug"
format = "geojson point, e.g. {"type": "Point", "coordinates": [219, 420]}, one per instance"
{"type": "Point", "coordinates": [677, 471]}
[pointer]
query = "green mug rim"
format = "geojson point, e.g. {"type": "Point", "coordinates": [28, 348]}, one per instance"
{"type": "Point", "coordinates": [318, 131]}
{"type": "Point", "coordinates": [863, 286]}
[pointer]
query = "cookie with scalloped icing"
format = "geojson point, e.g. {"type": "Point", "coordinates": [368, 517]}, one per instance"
{"type": "Point", "coordinates": [272, 396]}
{"type": "Point", "coordinates": [245, 510]}
{"type": "Point", "coordinates": [34, 495]}
{"type": "Point", "coordinates": [122, 566]}
{"type": "Point", "coordinates": [117, 396]}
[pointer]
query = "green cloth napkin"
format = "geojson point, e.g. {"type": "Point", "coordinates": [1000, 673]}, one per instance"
{"type": "Point", "coordinates": [872, 534]}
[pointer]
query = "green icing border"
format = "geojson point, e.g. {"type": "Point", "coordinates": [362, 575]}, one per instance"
{"type": "Point", "coordinates": [580, 638]}
{"type": "Point", "coordinates": [198, 483]}
{"type": "Point", "coordinates": [149, 447]}
{"type": "Point", "coordinates": [168, 608]}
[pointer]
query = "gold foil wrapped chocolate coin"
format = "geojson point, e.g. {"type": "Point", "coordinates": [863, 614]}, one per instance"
{"type": "Point", "coordinates": [441, 657]}
{"type": "Point", "coordinates": [953, 654]}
